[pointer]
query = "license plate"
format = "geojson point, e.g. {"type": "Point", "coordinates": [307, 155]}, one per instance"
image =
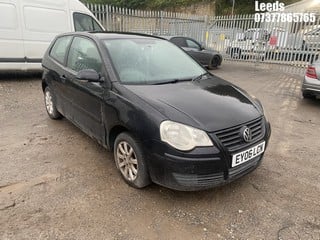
{"type": "Point", "coordinates": [248, 154]}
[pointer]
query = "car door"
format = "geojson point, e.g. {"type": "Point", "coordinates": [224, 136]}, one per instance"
{"type": "Point", "coordinates": [194, 49]}
{"type": "Point", "coordinates": [87, 97]}
{"type": "Point", "coordinates": [57, 72]}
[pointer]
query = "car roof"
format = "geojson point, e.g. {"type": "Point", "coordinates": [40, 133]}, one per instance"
{"type": "Point", "coordinates": [169, 37]}
{"type": "Point", "coordinates": [112, 35]}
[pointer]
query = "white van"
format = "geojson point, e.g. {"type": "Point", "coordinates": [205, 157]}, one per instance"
{"type": "Point", "coordinates": [28, 26]}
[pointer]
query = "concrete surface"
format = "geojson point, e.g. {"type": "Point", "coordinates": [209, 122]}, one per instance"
{"type": "Point", "coordinates": [57, 183]}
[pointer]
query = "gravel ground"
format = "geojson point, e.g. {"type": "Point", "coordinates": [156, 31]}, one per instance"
{"type": "Point", "coordinates": [57, 183]}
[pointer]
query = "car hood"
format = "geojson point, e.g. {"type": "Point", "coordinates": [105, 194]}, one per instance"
{"type": "Point", "coordinates": [211, 104]}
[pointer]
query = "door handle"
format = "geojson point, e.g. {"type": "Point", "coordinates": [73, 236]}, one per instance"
{"type": "Point", "coordinates": [63, 78]}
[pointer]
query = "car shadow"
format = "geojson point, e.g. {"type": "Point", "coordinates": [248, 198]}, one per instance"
{"type": "Point", "coordinates": [224, 191]}
{"type": "Point", "coordinates": [19, 76]}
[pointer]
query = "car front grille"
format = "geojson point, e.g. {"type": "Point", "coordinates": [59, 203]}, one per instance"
{"type": "Point", "coordinates": [231, 138]}
{"type": "Point", "coordinates": [244, 168]}
{"type": "Point", "coordinates": [196, 180]}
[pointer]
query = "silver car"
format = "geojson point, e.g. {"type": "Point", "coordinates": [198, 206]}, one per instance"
{"type": "Point", "coordinates": [311, 82]}
{"type": "Point", "coordinates": [312, 40]}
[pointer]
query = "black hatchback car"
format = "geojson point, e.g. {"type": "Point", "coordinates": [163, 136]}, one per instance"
{"type": "Point", "coordinates": [206, 57]}
{"type": "Point", "coordinates": [166, 118]}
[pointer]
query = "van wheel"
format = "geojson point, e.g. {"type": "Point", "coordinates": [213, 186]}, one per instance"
{"type": "Point", "coordinates": [50, 104]}
{"type": "Point", "coordinates": [130, 160]}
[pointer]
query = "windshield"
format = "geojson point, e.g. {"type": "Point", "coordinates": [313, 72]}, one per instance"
{"type": "Point", "coordinates": [150, 61]}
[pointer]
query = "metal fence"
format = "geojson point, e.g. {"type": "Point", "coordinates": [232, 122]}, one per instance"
{"type": "Point", "coordinates": [290, 43]}
{"type": "Point", "coordinates": [238, 37]}
{"type": "Point", "coordinates": [150, 22]}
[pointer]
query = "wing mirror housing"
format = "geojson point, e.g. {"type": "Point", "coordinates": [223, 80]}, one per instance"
{"type": "Point", "coordinates": [202, 46]}
{"type": "Point", "coordinates": [89, 75]}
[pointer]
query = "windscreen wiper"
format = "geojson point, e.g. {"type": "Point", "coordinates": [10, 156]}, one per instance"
{"type": "Point", "coordinates": [197, 78]}
{"type": "Point", "coordinates": [171, 81]}
{"type": "Point", "coordinates": [165, 82]}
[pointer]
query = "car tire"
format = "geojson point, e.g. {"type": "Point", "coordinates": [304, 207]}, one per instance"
{"type": "Point", "coordinates": [50, 104]}
{"type": "Point", "coordinates": [130, 160]}
{"type": "Point", "coordinates": [214, 62]}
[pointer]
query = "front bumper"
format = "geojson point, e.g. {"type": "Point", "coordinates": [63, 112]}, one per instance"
{"type": "Point", "coordinates": [201, 168]}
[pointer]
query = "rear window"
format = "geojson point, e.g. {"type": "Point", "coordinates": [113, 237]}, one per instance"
{"type": "Point", "coordinates": [59, 49]}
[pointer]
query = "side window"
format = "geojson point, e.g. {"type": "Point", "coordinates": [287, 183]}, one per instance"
{"type": "Point", "coordinates": [179, 41]}
{"type": "Point", "coordinates": [59, 49]}
{"type": "Point", "coordinates": [84, 54]}
{"type": "Point", "coordinates": [83, 22]}
{"type": "Point", "coordinates": [193, 44]}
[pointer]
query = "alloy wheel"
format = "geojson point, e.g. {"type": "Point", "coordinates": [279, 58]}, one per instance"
{"type": "Point", "coordinates": [49, 102]}
{"type": "Point", "coordinates": [127, 161]}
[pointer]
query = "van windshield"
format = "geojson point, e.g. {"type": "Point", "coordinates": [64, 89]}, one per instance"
{"type": "Point", "coordinates": [84, 22]}
{"type": "Point", "coordinates": [150, 61]}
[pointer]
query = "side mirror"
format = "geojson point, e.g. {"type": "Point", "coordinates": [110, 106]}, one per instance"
{"type": "Point", "coordinates": [202, 46]}
{"type": "Point", "coordinates": [89, 75]}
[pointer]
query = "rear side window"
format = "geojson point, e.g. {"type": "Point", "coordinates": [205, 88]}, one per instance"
{"type": "Point", "coordinates": [84, 54]}
{"type": "Point", "coordinates": [83, 22]}
{"type": "Point", "coordinates": [192, 44]}
{"type": "Point", "coordinates": [59, 49]}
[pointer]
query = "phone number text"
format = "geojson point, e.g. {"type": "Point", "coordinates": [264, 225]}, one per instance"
{"type": "Point", "coordinates": [284, 17]}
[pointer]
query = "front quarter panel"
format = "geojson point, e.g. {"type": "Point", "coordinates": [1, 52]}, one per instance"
{"type": "Point", "coordinates": [123, 108]}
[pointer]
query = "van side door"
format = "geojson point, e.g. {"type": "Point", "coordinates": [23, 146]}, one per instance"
{"type": "Point", "coordinates": [42, 22]}
{"type": "Point", "coordinates": [11, 42]}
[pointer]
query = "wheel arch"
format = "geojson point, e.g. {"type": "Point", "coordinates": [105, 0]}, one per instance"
{"type": "Point", "coordinates": [44, 84]}
{"type": "Point", "coordinates": [113, 133]}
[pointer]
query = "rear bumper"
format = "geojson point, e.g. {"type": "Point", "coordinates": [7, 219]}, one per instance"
{"type": "Point", "coordinates": [311, 86]}
{"type": "Point", "coordinates": [200, 169]}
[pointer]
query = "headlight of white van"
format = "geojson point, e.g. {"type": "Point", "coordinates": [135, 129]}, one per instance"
{"type": "Point", "coordinates": [183, 137]}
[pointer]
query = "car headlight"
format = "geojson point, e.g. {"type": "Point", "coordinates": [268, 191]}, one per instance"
{"type": "Point", "coordinates": [183, 137]}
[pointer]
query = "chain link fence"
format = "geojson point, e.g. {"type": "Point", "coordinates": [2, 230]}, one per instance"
{"type": "Point", "coordinates": [239, 37]}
